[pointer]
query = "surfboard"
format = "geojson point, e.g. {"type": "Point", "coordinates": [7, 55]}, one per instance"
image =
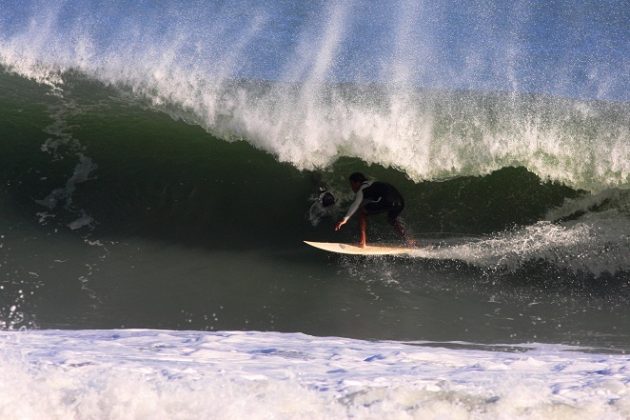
{"type": "Point", "coordinates": [350, 249]}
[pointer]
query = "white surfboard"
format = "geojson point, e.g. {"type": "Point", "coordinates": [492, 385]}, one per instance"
{"type": "Point", "coordinates": [350, 249]}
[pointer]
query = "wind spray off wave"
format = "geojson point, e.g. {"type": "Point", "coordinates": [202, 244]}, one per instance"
{"type": "Point", "coordinates": [431, 90]}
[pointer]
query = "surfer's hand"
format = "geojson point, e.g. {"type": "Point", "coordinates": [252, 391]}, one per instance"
{"type": "Point", "coordinates": [339, 224]}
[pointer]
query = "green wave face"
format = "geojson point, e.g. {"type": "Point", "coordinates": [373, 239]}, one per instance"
{"type": "Point", "coordinates": [100, 151]}
{"type": "Point", "coordinates": [116, 211]}
{"type": "Point", "coordinates": [161, 164]}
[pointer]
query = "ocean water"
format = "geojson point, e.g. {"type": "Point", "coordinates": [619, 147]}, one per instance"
{"type": "Point", "coordinates": [161, 163]}
{"type": "Point", "coordinates": [247, 374]}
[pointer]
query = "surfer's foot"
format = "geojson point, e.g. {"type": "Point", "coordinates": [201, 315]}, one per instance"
{"type": "Point", "coordinates": [412, 243]}
{"type": "Point", "coordinates": [362, 244]}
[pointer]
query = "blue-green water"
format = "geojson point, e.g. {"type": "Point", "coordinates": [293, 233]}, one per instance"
{"type": "Point", "coordinates": [160, 164]}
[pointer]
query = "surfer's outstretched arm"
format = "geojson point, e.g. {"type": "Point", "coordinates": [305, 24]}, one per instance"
{"type": "Point", "coordinates": [353, 208]}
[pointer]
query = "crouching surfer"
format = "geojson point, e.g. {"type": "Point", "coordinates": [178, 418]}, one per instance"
{"type": "Point", "coordinates": [374, 197]}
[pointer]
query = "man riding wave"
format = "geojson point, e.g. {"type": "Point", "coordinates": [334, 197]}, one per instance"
{"type": "Point", "coordinates": [374, 197]}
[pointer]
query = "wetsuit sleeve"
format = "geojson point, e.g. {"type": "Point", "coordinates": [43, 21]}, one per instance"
{"type": "Point", "coordinates": [355, 205]}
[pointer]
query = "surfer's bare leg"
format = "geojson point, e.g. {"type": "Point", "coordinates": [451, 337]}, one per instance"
{"type": "Point", "coordinates": [400, 230]}
{"type": "Point", "coordinates": [363, 228]}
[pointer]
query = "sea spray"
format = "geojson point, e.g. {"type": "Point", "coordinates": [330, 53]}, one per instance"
{"type": "Point", "coordinates": [308, 117]}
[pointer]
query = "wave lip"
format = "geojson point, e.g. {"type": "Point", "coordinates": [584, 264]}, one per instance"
{"type": "Point", "coordinates": [307, 115]}
{"type": "Point", "coordinates": [426, 135]}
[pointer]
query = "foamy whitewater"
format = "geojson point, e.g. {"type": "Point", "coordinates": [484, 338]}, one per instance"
{"type": "Point", "coordinates": [162, 162]}
{"type": "Point", "coordinates": [183, 374]}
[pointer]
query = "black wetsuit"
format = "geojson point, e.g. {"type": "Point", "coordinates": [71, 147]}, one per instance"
{"type": "Point", "coordinates": [381, 197]}
{"type": "Point", "coordinates": [378, 197]}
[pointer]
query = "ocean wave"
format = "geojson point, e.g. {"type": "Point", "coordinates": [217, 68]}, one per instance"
{"type": "Point", "coordinates": [84, 166]}
{"type": "Point", "coordinates": [307, 118]}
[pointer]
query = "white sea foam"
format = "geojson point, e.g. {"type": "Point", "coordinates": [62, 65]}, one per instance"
{"type": "Point", "coordinates": [312, 123]}
{"type": "Point", "coordinates": [597, 243]}
{"type": "Point", "coordinates": [131, 374]}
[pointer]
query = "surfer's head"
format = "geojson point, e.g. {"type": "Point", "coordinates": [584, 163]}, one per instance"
{"type": "Point", "coordinates": [356, 179]}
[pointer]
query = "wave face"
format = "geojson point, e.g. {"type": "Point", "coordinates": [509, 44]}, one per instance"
{"type": "Point", "coordinates": [93, 157]}
{"type": "Point", "coordinates": [105, 200]}
{"type": "Point", "coordinates": [160, 166]}
{"type": "Point", "coordinates": [396, 84]}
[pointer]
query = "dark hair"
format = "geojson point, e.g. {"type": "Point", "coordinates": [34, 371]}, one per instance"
{"type": "Point", "coordinates": [327, 199]}
{"type": "Point", "coordinates": [357, 177]}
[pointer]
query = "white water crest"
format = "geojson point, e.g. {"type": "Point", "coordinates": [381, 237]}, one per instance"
{"type": "Point", "coordinates": [588, 234]}
{"type": "Point", "coordinates": [132, 374]}
{"type": "Point", "coordinates": [596, 244]}
{"type": "Point", "coordinates": [399, 102]}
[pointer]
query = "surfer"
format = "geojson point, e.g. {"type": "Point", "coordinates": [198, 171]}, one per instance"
{"type": "Point", "coordinates": [374, 197]}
